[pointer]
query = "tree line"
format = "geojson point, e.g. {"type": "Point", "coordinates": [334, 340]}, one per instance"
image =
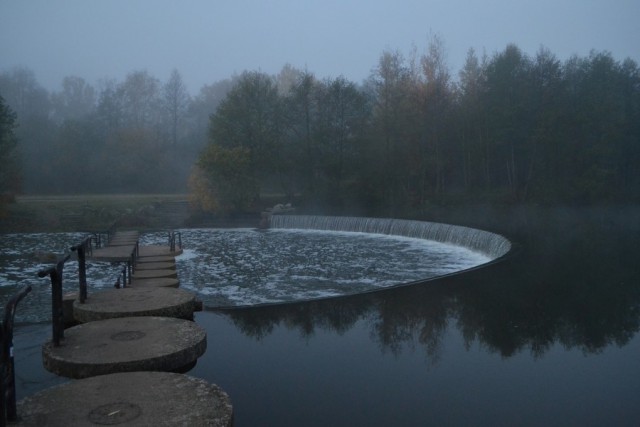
{"type": "Point", "coordinates": [136, 135]}
{"type": "Point", "coordinates": [508, 128]}
{"type": "Point", "coordinates": [511, 128]}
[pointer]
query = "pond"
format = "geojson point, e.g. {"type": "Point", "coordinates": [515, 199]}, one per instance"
{"type": "Point", "coordinates": [547, 337]}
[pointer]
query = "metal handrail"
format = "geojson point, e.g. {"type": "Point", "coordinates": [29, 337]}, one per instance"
{"type": "Point", "coordinates": [8, 411]}
{"type": "Point", "coordinates": [172, 240]}
{"type": "Point", "coordinates": [82, 248]}
{"type": "Point", "coordinates": [57, 317]}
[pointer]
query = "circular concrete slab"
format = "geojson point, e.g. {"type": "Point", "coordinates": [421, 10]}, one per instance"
{"type": "Point", "coordinates": [143, 301]}
{"type": "Point", "coordinates": [161, 258]}
{"type": "Point", "coordinates": [156, 266]}
{"type": "Point", "coordinates": [152, 274]}
{"type": "Point", "coordinates": [137, 398]}
{"type": "Point", "coordinates": [158, 250]}
{"type": "Point", "coordinates": [126, 344]}
{"type": "Point", "coordinates": [162, 282]}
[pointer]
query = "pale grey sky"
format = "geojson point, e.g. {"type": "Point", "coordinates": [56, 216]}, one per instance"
{"type": "Point", "coordinates": [209, 40]}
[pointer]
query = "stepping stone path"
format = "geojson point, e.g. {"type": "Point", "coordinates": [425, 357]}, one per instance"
{"type": "Point", "coordinates": [124, 337]}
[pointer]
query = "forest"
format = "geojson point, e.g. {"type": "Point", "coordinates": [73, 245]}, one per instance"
{"type": "Point", "coordinates": [507, 128]}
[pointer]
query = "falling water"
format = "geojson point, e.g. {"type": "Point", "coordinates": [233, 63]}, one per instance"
{"type": "Point", "coordinates": [490, 244]}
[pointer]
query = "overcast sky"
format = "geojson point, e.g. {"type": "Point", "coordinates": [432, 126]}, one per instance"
{"type": "Point", "coordinates": [209, 40]}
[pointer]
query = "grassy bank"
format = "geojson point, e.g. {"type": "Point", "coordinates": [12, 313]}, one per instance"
{"type": "Point", "coordinates": [89, 212]}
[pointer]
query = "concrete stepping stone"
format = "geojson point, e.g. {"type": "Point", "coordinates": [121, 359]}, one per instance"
{"type": "Point", "coordinates": [137, 398]}
{"type": "Point", "coordinates": [156, 266]}
{"type": "Point", "coordinates": [161, 282]}
{"type": "Point", "coordinates": [153, 274]}
{"type": "Point", "coordinates": [148, 259]}
{"type": "Point", "coordinates": [140, 301]}
{"type": "Point", "coordinates": [112, 253]}
{"type": "Point", "coordinates": [158, 250]}
{"type": "Point", "coordinates": [122, 242]}
{"type": "Point", "coordinates": [126, 344]}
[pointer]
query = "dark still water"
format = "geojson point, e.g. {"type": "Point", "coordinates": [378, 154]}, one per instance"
{"type": "Point", "coordinates": [547, 337]}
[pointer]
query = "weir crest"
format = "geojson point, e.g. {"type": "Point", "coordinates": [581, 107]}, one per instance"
{"type": "Point", "coordinates": [490, 244]}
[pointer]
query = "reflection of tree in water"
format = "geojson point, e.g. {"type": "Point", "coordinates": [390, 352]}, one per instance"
{"type": "Point", "coordinates": [574, 283]}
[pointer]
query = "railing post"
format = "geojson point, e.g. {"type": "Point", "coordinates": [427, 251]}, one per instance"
{"type": "Point", "coordinates": [82, 269]}
{"type": "Point", "coordinates": [8, 410]}
{"type": "Point", "coordinates": [57, 317]}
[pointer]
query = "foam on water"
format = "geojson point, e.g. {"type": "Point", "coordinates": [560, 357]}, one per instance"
{"type": "Point", "coordinates": [21, 259]}
{"type": "Point", "coordinates": [237, 267]}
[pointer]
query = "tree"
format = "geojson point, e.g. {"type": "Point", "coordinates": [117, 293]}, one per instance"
{"type": "Point", "coordinates": [176, 101]}
{"type": "Point", "coordinates": [141, 100]}
{"type": "Point", "coordinates": [471, 128]}
{"type": "Point", "coordinates": [76, 100]}
{"type": "Point", "coordinates": [342, 115]}
{"type": "Point", "coordinates": [436, 106]}
{"type": "Point", "coordinates": [9, 173]}
{"type": "Point", "coordinates": [35, 130]}
{"type": "Point", "coordinates": [299, 170]}
{"type": "Point", "coordinates": [224, 181]}
{"type": "Point", "coordinates": [392, 138]}
{"type": "Point", "coordinates": [249, 117]}
{"type": "Point", "coordinates": [508, 104]}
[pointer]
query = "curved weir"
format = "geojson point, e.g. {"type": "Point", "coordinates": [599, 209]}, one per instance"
{"type": "Point", "coordinates": [490, 244]}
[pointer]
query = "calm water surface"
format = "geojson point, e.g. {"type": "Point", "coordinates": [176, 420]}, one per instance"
{"type": "Point", "coordinates": [548, 337]}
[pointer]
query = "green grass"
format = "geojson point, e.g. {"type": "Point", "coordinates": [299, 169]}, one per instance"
{"type": "Point", "coordinates": [87, 212]}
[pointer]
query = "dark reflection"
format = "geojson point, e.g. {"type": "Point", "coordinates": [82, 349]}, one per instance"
{"type": "Point", "coordinates": [574, 281]}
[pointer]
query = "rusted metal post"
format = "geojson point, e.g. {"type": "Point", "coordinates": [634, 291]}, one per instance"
{"type": "Point", "coordinates": [57, 317]}
{"type": "Point", "coordinates": [8, 410]}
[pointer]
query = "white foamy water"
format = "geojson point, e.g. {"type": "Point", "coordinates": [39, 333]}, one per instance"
{"type": "Point", "coordinates": [235, 267]}
{"type": "Point", "coordinates": [23, 255]}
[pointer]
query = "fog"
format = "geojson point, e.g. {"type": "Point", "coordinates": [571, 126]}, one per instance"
{"type": "Point", "coordinates": [210, 41]}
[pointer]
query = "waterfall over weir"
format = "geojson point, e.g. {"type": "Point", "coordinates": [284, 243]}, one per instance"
{"type": "Point", "coordinates": [490, 244]}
